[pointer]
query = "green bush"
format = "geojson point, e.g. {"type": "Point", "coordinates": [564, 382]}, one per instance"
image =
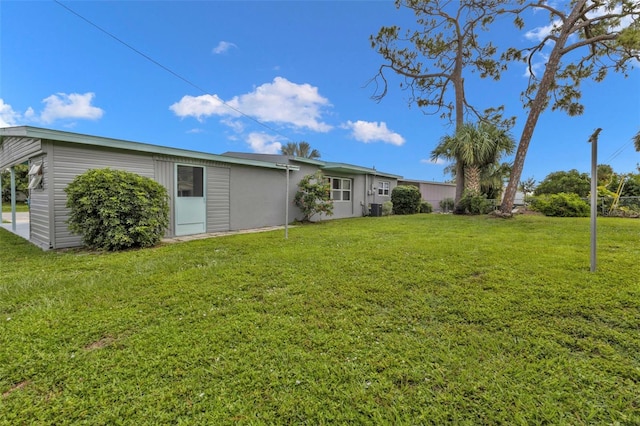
{"type": "Point", "coordinates": [314, 196]}
{"type": "Point", "coordinates": [562, 205]}
{"type": "Point", "coordinates": [474, 204]}
{"type": "Point", "coordinates": [425, 207]}
{"type": "Point", "coordinates": [115, 209]}
{"type": "Point", "coordinates": [406, 199]}
{"type": "Point", "coordinates": [387, 208]}
{"type": "Point", "coordinates": [447, 204]}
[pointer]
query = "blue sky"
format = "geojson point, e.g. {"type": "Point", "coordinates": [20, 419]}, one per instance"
{"type": "Point", "coordinates": [292, 71]}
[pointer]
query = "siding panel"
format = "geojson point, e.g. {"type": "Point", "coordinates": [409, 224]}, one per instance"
{"type": "Point", "coordinates": [39, 208]}
{"type": "Point", "coordinates": [16, 150]}
{"type": "Point", "coordinates": [165, 175]}
{"type": "Point", "coordinates": [71, 160]}
{"type": "Point", "coordinates": [218, 199]}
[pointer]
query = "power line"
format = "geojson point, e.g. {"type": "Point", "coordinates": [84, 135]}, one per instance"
{"type": "Point", "coordinates": [169, 70]}
{"type": "Point", "coordinates": [618, 151]}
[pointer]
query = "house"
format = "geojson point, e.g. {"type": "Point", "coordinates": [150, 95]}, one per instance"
{"type": "Point", "coordinates": [207, 192]}
{"type": "Point", "coordinates": [432, 192]}
{"type": "Point", "coordinates": [353, 188]}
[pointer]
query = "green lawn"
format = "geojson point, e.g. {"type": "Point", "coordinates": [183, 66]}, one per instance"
{"type": "Point", "coordinates": [20, 207]}
{"type": "Point", "coordinates": [428, 319]}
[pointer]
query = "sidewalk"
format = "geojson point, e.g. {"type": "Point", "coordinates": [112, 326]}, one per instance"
{"type": "Point", "coordinates": [22, 224]}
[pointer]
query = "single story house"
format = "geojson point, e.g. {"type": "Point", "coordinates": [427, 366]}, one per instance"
{"type": "Point", "coordinates": [208, 192]}
{"type": "Point", "coordinates": [432, 192]}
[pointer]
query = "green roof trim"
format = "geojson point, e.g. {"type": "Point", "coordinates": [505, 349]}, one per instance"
{"type": "Point", "coordinates": [345, 168]}
{"type": "Point", "coordinates": [61, 136]}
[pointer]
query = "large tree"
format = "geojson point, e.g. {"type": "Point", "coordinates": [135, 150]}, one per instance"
{"type": "Point", "coordinates": [587, 39]}
{"type": "Point", "coordinates": [477, 149]}
{"type": "Point", "coordinates": [433, 59]}
{"type": "Point", "coordinates": [300, 149]}
{"type": "Point", "coordinates": [636, 141]}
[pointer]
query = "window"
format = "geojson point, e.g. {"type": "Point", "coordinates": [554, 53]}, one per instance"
{"type": "Point", "coordinates": [340, 189]}
{"type": "Point", "coordinates": [190, 181]}
{"type": "Point", "coordinates": [35, 176]}
{"type": "Point", "coordinates": [383, 188]}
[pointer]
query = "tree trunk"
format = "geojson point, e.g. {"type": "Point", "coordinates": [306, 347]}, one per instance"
{"type": "Point", "coordinates": [458, 88]}
{"type": "Point", "coordinates": [538, 105]}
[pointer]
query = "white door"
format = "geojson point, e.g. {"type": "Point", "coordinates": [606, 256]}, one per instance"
{"type": "Point", "coordinates": [190, 204]}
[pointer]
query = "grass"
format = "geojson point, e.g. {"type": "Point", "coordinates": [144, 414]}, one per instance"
{"type": "Point", "coordinates": [20, 207]}
{"type": "Point", "coordinates": [426, 319]}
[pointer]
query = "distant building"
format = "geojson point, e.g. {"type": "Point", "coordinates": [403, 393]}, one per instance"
{"type": "Point", "coordinates": [432, 192]}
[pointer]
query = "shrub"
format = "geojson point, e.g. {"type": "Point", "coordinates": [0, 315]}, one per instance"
{"type": "Point", "coordinates": [446, 204]}
{"type": "Point", "coordinates": [387, 208]}
{"type": "Point", "coordinates": [425, 207]}
{"type": "Point", "coordinates": [314, 196]}
{"type": "Point", "coordinates": [406, 199]}
{"type": "Point", "coordinates": [474, 204]}
{"type": "Point", "coordinates": [562, 204]}
{"type": "Point", "coordinates": [115, 209]}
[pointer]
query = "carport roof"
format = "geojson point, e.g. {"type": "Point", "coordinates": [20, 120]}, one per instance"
{"type": "Point", "coordinates": [57, 135]}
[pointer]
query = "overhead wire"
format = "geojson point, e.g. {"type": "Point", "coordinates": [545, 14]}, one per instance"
{"type": "Point", "coordinates": [618, 151]}
{"type": "Point", "coordinates": [170, 71]}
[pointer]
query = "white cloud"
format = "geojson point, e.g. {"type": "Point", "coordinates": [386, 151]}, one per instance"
{"type": "Point", "coordinates": [223, 47]}
{"type": "Point", "coordinates": [74, 105]}
{"type": "Point", "coordinates": [263, 143]}
{"type": "Point", "coordinates": [438, 162]}
{"type": "Point", "coordinates": [8, 117]}
{"type": "Point", "coordinates": [281, 102]}
{"type": "Point", "coordinates": [372, 131]}
{"type": "Point", "coordinates": [200, 106]}
{"type": "Point", "coordinates": [540, 33]}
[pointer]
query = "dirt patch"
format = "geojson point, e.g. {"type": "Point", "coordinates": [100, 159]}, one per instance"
{"type": "Point", "coordinates": [99, 344]}
{"type": "Point", "coordinates": [15, 387]}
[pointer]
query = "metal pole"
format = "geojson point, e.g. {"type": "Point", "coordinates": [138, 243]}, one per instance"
{"type": "Point", "coordinates": [13, 199]}
{"type": "Point", "coordinates": [594, 194]}
{"type": "Point", "coordinates": [286, 209]}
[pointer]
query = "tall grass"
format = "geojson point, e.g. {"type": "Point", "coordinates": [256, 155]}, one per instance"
{"type": "Point", "coordinates": [397, 320]}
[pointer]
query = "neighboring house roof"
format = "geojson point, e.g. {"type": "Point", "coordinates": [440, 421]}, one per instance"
{"type": "Point", "coordinates": [430, 182]}
{"type": "Point", "coordinates": [323, 165]}
{"type": "Point", "coordinates": [57, 135]}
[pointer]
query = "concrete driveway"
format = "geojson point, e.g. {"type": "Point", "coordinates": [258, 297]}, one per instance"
{"type": "Point", "coordinates": [22, 224]}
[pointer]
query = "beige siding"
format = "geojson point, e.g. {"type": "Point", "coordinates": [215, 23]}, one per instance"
{"type": "Point", "coordinates": [39, 207]}
{"type": "Point", "coordinates": [218, 199]}
{"type": "Point", "coordinates": [165, 171]}
{"type": "Point", "coordinates": [17, 150]}
{"type": "Point", "coordinates": [71, 160]}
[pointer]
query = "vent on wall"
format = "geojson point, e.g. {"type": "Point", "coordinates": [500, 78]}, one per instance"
{"type": "Point", "coordinates": [35, 176]}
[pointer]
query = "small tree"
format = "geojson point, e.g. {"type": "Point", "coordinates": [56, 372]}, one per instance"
{"type": "Point", "coordinates": [571, 182]}
{"type": "Point", "coordinates": [527, 186]}
{"type": "Point", "coordinates": [115, 209]}
{"type": "Point", "coordinates": [314, 196]}
{"type": "Point", "coordinates": [406, 199]}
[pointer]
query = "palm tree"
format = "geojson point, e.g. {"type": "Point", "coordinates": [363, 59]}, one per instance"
{"type": "Point", "coordinates": [493, 178]}
{"type": "Point", "coordinates": [300, 149]}
{"type": "Point", "coordinates": [476, 148]}
{"type": "Point", "coordinates": [636, 141]}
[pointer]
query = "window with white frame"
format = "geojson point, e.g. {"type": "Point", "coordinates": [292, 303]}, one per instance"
{"type": "Point", "coordinates": [383, 188]}
{"type": "Point", "coordinates": [340, 189]}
